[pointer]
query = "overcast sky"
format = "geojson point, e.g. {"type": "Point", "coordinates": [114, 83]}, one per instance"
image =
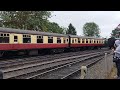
{"type": "Point", "coordinates": [107, 20]}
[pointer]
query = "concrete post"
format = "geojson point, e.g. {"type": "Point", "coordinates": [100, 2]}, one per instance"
{"type": "Point", "coordinates": [105, 64]}
{"type": "Point", "coordinates": [1, 75]}
{"type": "Point", "coordinates": [83, 72]}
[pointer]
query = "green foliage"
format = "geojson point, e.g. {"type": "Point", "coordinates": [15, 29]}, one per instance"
{"type": "Point", "coordinates": [114, 32]}
{"type": "Point", "coordinates": [54, 27]}
{"type": "Point", "coordinates": [25, 19]}
{"type": "Point", "coordinates": [91, 29]}
{"type": "Point", "coordinates": [71, 30]}
{"type": "Point", "coordinates": [30, 20]}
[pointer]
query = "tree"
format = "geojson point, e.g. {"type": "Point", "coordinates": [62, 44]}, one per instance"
{"type": "Point", "coordinates": [71, 30]}
{"type": "Point", "coordinates": [91, 29]}
{"type": "Point", "coordinates": [31, 20]}
{"type": "Point", "coordinates": [114, 32]}
{"type": "Point", "coordinates": [55, 28]}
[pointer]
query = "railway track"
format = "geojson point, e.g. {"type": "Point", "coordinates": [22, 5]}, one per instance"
{"type": "Point", "coordinates": [22, 61]}
{"type": "Point", "coordinates": [72, 74]}
{"type": "Point", "coordinates": [30, 60]}
{"type": "Point", "coordinates": [63, 72]}
{"type": "Point", "coordinates": [31, 70]}
{"type": "Point", "coordinates": [77, 73]}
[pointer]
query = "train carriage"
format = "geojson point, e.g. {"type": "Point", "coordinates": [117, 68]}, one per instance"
{"type": "Point", "coordinates": [35, 42]}
{"type": "Point", "coordinates": [86, 42]}
{"type": "Point", "coordinates": [15, 39]}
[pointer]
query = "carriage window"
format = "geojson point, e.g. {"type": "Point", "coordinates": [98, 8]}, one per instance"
{"type": "Point", "coordinates": [94, 41]}
{"type": "Point", "coordinates": [64, 40]}
{"type": "Point", "coordinates": [97, 41]}
{"type": "Point", "coordinates": [15, 39]}
{"type": "Point", "coordinates": [67, 39]}
{"type": "Point", "coordinates": [7, 34]}
{"type": "Point", "coordinates": [39, 39]}
{"type": "Point", "coordinates": [90, 41]}
{"type": "Point", "coordinates": [4, 38]}
{"type": "Point", "coordinates": [1, 35]}
{"type": "Point", "coordinates": [75, 40]}
{"type": "Point", "coordinates": [4, 34]}
{"type": "Point", "coordinates": [78, 40]}
{"type": "Point", "coordinates": [82, 40]}
{"type": "Point", "coordinates": [86, 40]}
{"type": "Point", "coordinates": [50, 39]}
{"type": "Point", "coordinates": [72, 40]}
{"type": "Point", "coordinates": [58, 40]}
{"type": "Point", "coordinates": [26, 39]}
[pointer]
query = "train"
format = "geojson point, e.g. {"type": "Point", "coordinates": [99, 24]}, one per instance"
{"type": "Point", "coordinates": [31, 42]}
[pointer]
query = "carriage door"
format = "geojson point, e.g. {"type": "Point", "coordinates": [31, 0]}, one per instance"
{"type": "Point", "coordinates": [15, 39]}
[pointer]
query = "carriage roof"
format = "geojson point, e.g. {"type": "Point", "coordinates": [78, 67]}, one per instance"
{"type": "Point", "coordinates": [21, 31]}
{"type": "Point", "coordinates": [76, 36]}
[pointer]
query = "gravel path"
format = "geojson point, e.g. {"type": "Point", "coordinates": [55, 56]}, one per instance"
{"type": "Point", "coordinates": [112, 73]}
{"type": "Point", "coordinates": [98, 71]}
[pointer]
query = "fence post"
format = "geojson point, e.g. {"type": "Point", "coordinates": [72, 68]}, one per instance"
{"type": "Point", "coordinates": [105, 64]}
{"type": "Point", "coordinates": [111, 60]}
{"type": "Point", "coordinates": [83, 72]}
{"type": "Point", "coordinates": [1, 75]}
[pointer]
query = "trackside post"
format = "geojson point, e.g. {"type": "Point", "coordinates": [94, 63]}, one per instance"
{"type": "Point", "coordinates": [105, 65]}
{"type": "Point", "coordinates": [83, 72]}
{"type": "Point", "coordinates": [1, 75]}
